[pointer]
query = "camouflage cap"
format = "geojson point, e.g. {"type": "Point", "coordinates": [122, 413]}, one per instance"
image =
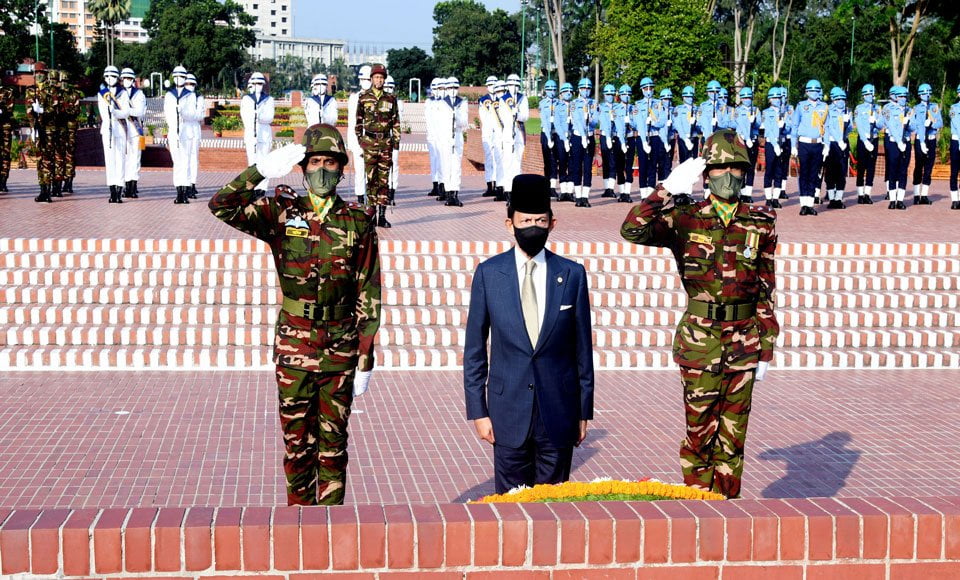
{"type": "Point", "coordinates": [325, 139]}
{"type": "Point", "coordinates": [725, 147]}
{"type": "Point", "coordinates": [378, 69]}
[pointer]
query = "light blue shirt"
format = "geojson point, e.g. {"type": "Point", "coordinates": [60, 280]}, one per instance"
{"type": "Point", "coordinates": [895, 121]}
{"type": "Point", "coordinates": [809, 118]}
{"type": "Point", "coordinates": [707, 118]}
{"type": "Point", "coordinates": [548, 106]}
{"type": "Point", "coordinates": [583, 117]}
{"type": "Point", "coordinates": [748, 122]}
{"type": "Point", "coordinates": [866, 117]}
{"type": "Point", "coordinates": [923, 111]}
{"type": "Point", "coordinates": [561, 120]}
{"type": "Point", "coordinates": [770, 121]}
{"type": "Point", "coordinates": [685, 120]}
{"type": "Point", "coordinates": [839, 124]}
{"type": "Point", "coordinates": [955, 121]}
{"type": "Point", "coordinates": [649, 109]}
{"type": "Point", "coordinates": [667, 130]}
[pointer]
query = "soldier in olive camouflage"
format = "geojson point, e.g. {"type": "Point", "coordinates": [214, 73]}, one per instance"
{"type": "Point", "coordinates": [378, 132]}
{"type": "Point", "coordinates": [7, 126]}
{"type": "Point", "coordinates": [727, 270]}
{"type": "Point", "coordinates": [67, 125]}
{"type": "Point", "coordinates": [41, 101]}
{"type": "Point", "coordinates": [327, 258]}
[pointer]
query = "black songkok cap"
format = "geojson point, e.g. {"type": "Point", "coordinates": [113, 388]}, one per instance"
{"type": "Point", "coordinates": [531, 194]}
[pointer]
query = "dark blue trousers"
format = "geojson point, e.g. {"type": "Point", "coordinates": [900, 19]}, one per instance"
{"type": "Point", "coordinates": [771, 169]}
{"type": "Point", "coordinates": [663, 160]}
{"type": "Point", "coordinates": [835, 171]}
{"type": "Point", "coordinates": [536, 461]}
{"type": "Point", "coordinates": [897, 163]}
{"type": "Point", "coordinates": [923, 167]}
{"type": "Point", "coordinates": [683, 153]}
{"type": "Point", "coordinates": [811, 162]}
{"type": "Point", "coordinates": [628, 158]}
{"type": "Point", "coordinates": [549, 156]}
{"type": "Point", "coordinates": [752, 153]}
{"type": "Point", "coordinates": [607, 161]}
{"type": "Point", "coordinates": [577, 154]}
{"type": "Point", "coordinates": [866, 164]}
{"type": "Point", "coordinates": [954, 163]}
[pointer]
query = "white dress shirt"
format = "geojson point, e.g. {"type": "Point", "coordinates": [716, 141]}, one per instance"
{"type": "Point", "coordinates": [539, 279]}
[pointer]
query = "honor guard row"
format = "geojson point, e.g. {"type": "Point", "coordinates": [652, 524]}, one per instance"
{"type": "Point", "coordinates": [504, 111]}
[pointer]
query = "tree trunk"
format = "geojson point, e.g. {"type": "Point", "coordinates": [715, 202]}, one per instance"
{"type": "Point", "coordinates": [778, 58]}
{"type": "Point", "coordinates": [901, 49]}
{"type": "Point", "coordinates": [554, 14]}
{"type": "Point", "coordinates": [741, 45]}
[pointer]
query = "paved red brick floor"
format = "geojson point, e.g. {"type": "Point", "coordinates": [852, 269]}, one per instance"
{"type": "Point", "coordinates": [169, 438]}
{"type": "Point", "coordinates": [418, 217]}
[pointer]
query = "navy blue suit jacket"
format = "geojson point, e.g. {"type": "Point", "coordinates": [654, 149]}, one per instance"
{"type": "Point", "coordinates": [558, 370]}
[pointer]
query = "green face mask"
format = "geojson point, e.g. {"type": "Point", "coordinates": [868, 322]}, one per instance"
{"type": "Point", "coordinates": [726, 186]}
{"type": "Point", "coordinates": [322, 182]}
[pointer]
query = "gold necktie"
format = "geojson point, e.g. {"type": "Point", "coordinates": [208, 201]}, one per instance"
{"type": "Point", "coordinates": [528, 302]}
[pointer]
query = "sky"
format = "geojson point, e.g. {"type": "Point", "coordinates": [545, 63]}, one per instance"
{"type": "Point", "coordinates": [387, 23]}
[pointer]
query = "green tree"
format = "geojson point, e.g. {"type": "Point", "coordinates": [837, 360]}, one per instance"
{"type": "Point", "coordinates": [206, 36]}
{"type": "Point", "coordinates": [110, 13]}
{"type": "Point", "coordinates": [408, 63]}
{"type": "Point", "coordinates": [470, 42]}
{"type": "Point", "coordinates": [16, 42]}
{"type": "Point", "coordinates": [668, 40]}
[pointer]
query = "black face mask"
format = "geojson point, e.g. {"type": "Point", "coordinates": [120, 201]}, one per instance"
{"type": "Point", "coordinates": [531, 239]}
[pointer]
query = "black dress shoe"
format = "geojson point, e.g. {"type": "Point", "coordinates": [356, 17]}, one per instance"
{"type": "Point", "coordinates": [624, 198]}
{"type": "Point", "coordinates": [867, 200]}
{"type": "Point", "coordinates": [608, 193]}
{"type": "Point", "coordinates": [746, 199]}
{"type": "Point", "coordinates": [901, 205]}
{"type": "Point", "coordinates": [783, 195]}
{"type": "Point", "coordinates": [807, 211]}
{"type": "Point", "coordinates": [586, 202]}
{"type": "Point", "coordinates": [924, 200]}
{"type": "Point", "coordinates": [892, 205]}
{"type": "Point", "coordinates": [955, 205]}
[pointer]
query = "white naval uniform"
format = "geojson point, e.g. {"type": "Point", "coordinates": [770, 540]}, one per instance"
{"type": "Point", "coordinates": [353, 144]}
{"type": "Point", "coordinates": [178, 105]}
{"type": "Point", "coordinates": [114, 109]}
{"type": "Point", "coordinates": [257, 115]}
{"type": "Point", "coordinates": [513, 112]}
{"type": "Point", "coordinates": [320, 109]}
{"type": "Point", "coordinates": [137, 102]}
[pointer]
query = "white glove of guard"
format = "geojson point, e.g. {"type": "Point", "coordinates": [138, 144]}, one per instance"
{"type": "Point", "coordinates": [669, 122]}
{"type": "Point", "coordinates": [867, 145]}
{"type": "Point", "coordinates": [649, 120]}
{"type": "Point", "coordinates": [715, 122]}
{"type": "Point", "coordinates": [927, 123]}
{"type": "Point", "coordinates": [777, 150]}
{"type": "Point", "coordinates": [37, 108]}
{"type": "Point", "coordinates": [780, 124]}
{"type": "Point", "coordinates": [826, 151]}
{"type": "Point", "coordinates": [566, 146]}
{"type": "Point", "coordinates": [646, 147]}
{"type": "Point", "coordinates": [923, 147]}
{"type": "Point", "coordinates": [584, 142]}
{"type": "Point", "coordinates": [843, 145]}
{"type": "Point", "coordinates": [623, 147]}
{"type": "Point", "coordinates": [609, 143]}
{"type": "Point", "coordinates": [902, 146]}
{"type": "Point", "coordinates": [762, 367]}
{"type": "Point", "coordinates": [683, 176]}
{"type": "Point", "coordinates": [795, 152]}
{"type": "Point", "coordinates": [666, 146]}
{"type": "Point", "coordinates": [749, 143]}
{"type": "Point", "coordinates": [689, 144]}
{"type": "Point", "coordinates": [280, 161]}
{"type": "Point", "coordinates": [550, 143]}
{"type": "Point", "coordinates": [361, 382]}
{"type": "Point", "coordinates": [846, 118]}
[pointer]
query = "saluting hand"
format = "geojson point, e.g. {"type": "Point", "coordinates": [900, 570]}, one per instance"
{"type": "Point", "coordinates": [280, 161]}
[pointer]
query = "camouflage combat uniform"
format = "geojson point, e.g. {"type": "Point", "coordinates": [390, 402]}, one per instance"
{"type": "Point", "coordinates": [7, 126]}
{"type": "Point", "coordinates": [67, 125]}
{"type": "Point", "coordinates": [378, 131]}
{"type": "Point", "coordinates": [329, 272]}
{"type": "Point", "coordinates": [728, 274]}
{"type": "Point", "coordinates": [41, 123]}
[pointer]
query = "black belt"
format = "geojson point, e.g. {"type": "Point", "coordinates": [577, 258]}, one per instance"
{"type": "Point", "coordinates": [315, 311]}
{"type": "Point", "coordinates": [722, 312]}
{"type": "Point", "coordinates": [374, 134]}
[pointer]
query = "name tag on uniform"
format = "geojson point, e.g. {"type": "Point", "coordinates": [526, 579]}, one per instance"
{"type": "Point", "coordinates": [701, 239]}
{"type": "Point", "coordinates": [297, 227]}
{"type": "Point", "coordinates": [297, 232]}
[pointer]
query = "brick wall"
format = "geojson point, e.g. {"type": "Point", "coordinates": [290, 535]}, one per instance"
{"type": "Point", "coordinates": [745, 539]}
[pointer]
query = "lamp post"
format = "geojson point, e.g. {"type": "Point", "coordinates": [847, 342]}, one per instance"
{"type": "Point", "coordinates": [523, 38]}
{"type": "Point", "coordinates": [36, 28]}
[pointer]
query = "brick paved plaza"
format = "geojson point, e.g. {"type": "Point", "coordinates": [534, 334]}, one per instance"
{"type": "Point", "coordinates": [171, 437]}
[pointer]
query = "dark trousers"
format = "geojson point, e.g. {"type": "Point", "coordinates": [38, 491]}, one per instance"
{"type": "Point", "coordinates": [563, 160]}
{"type": "Point", "coordinates": [835, 170]}
{"type": "Point", "coordinates": [650, 162]}
{"type": "Point", "coordinates": [784, 163]}
{"type": "Point", "coordinates": [954, 163]}
{"type": "Point", "coordinates": [577, 154]}
{"type": "Point", "coordinates": [752, 153]}
{"type": "Point", "coordinates": [607, 161]}
{"type": "Point", "coordinates": [536, 461]}
{"type": "Point", "coordinates": [771, 169]}
{"type": "Point", "coordinates": [663, 161]}
{"type": "Point", "coordinates": [897, 162]}
{"type": "Point", "coordinates": [866, 164]}
{"type": "Point", "coordinates": [683, 153]}
{"type": "Point", "coordinates": [628, 158]}
{"type": "Point", "coordinates": [586, 176]}
{"type": "Point", "coordinates": [923, 168]}
{"type": "Point", "coordinates": [549, 156]}
{"type": "Point", "coordinates": [811, 162]}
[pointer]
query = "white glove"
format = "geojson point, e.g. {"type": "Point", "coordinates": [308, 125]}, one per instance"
{"type": "Point", "coordinates": [666, 146]}
{"type": "Point", "coordinates": [777, 150]}
{"type": "Point", "coordinates": [795, 152]}
{"type": "Point", "coordinates": [749, 143]}
{"type": "Point", "coordinates": [566, 146]}
{"type": "Point", "coordinates": [623, 147]}
{"type": "Point", "coordinates": [646, 147]}
{"type": "Point", "coordinates": [826, 151]}
{"type": "Point", "coordinates": [37, 108]}
{"type": "Point", "coordinates": [780, 123]}
{"type": "Point", "coordinates": [902, 146]}
{"type": "Point", "coordinates": [280, 161]}
{"type": "Point", "coordinates": [669, 122]}
{"type": "Point", "coordinates": [683, 176]}
{"type": "Point", "coordinates": [584, 141]}
{"type": "Point", "coordinates": [550, 143]}
{"type": "Point", "coordinates": [609, 143]}
{"type": "Point", "coordinates": [867, 145]}
{"type": "Point", "coordinates": [361, 382]}
{"type": "Point", "coordinates": [649, 120]}
{"type": "Point", "coordinates": [927, 123]}
{"type": "Point", "coordinates": [843, 145]}
{"type": "Point", "coordinates": [689, 144]}
{"type": "Point", "coordinates": [715, 122]}
{"type": "Point", "coordinates": [762, 367]}
{"type": "Point", "coordinates": [923, 147]}
{"type": "Point", "coordinates": [846, 117]}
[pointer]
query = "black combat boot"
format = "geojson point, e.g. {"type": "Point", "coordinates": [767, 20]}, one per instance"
{"type": "Point", "coordinates": [44, 194]}
{"type": "Point", "coordinates": [192, 191]}
{"type": "Point", "coordinates": [133, 190]}
{"type": "Point", "coordinates": [442, 194]}
{"type": "Point", "coordinates": [746, 199]}
{"type": "Point", "coordinates": [181, 195]}
{"type": "Point", "coordinates": [498, 194]}
{"type": "Point", "coordinates": [453, 199]}
{"type": "Point", "coordinates": [624, 198]}
{"type": "Point", "coordinates": [392, 196]}
{"type": "Point", "coordinates": [361, 200]}
{"type": "Point", "coordinates": [3, 184]}
{"type": "Point", "coordinates": [435, 191]}
{"type": "Point", "coordinates": [554, 194]}
{"type": "Point", "coordinates": [783, 195]}
{"type": "Point", "coordinates": [489, 191]}
{"type": "Point", "coordinates": [608, 193]}
{"type": "Point", "coordinates": [68, 185]}
{"type": "Point", "coordinates": [57, 189]}
{"type": "Point", "coordinates": [128, 189]}
{"type": "Point", "coordinates": [382, 217]}
{"type": "Point", "coordinates": [955, 205]}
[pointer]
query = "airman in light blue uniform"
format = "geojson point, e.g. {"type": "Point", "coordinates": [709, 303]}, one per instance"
{"type": "Point", "coordinates": [809, 118]}
{"type": "Point", "coordinates": [747, 124]}
{"type": "Point", "coordinates": [648, 118]}
{"type": "Point", "coordinates": [685, 126]}
{"type": "Point", "coordinates": [626, 95]}
{"type": "Point", "coordinates": [895, 121]}
{"type": "Point", "coordinates": [926, 120]}
{"type": "Point", "coordinates": [583, 144]}
{"type": "Point", "coordinates": [773, 124]}
{"type": "Point", "coordinates": [837, 142]}
{"type": "Point", "coordinates": [786, 134]}
{"type": "Point", "coordinates": [607, 112]}
{"type": "Point", "coordinates": [548, 142]}
{"type": "Point", "coordinates": [955, 152]}
{"type": "Point", "coordinates": [563, 129]}
{"type": "Point", "coordinates": [867, 122]}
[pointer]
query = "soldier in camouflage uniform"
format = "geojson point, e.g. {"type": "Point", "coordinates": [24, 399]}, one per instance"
{"type": "Point", "coordinates": [68, 123]}
{"type": "Point", "coordinates": [724, 251]}
{"type": "Point", "coordinates": [328, 263]}
{"type": "Point", "coordinates": [7, 126]}
{"type": "Point", "coordinates": [41, 110]}
{"type": "Point", "coordinates": [378, 131]}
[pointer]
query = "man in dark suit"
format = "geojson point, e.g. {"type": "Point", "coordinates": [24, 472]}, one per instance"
{"type": "Point", "coordinates": [532, 398]}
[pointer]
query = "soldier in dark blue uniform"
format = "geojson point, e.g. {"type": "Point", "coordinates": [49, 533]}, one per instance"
{"type": "Point", "coordinates": [926, 120]}
{"type": "Point", "coordinates": [866, 120]}
{"type": "Point", "coordinates": [809, 118]}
